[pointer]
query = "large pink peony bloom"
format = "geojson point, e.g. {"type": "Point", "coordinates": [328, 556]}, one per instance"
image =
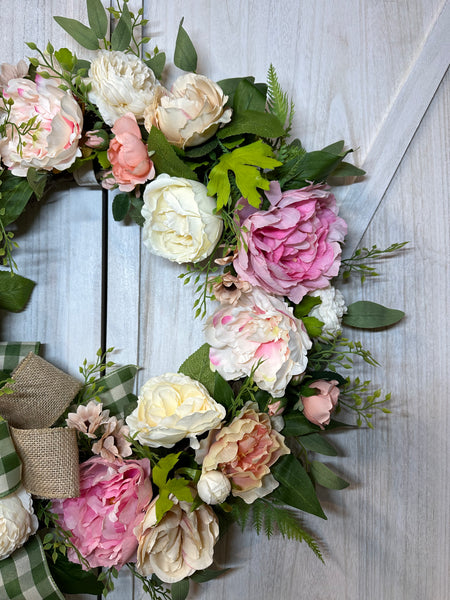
{"type": "Point", "coordinates": [128, 155]}
{"type": "Point", "coordinates": [292, 248]}
{"type": "Point", "coordinates": [114, 497]}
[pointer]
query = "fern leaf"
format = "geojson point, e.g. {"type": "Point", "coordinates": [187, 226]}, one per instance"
{"type": "Point", "coordinates": [278, 102]}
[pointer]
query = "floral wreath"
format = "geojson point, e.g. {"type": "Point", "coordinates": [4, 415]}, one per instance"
{"type": "Point", "coordinates": [93, 478]}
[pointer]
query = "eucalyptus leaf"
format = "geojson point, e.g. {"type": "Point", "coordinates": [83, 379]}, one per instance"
{"type": "Point", "coordinates": [80, 33]}
{"type": "Point", "coordinates": [121, 36]}
{"type": "Point", "coordinates": [345, 169]}
{"type": "Point", "coordinates": [296, 488]}
{"type": "Point", "coordinates": [370, 315]}
{"type": "Point", "coordinates": [157, 64]}
{"type": "Point", "coordinates": [317, 443]}
{"type": "Point", "coordinates": [98, 19]}
{"type": "Point", "coordinates": [251, 121]}
{"type": "Point", "coordinates": [185, 56]}
{"type": "Point", "coordinates": [180, 589]}
{"type": "Point", "coordinates": [324, 476]}
{"type": "Point", "coordinates": [197, 367]}
{"type": "Point", "coordinates": [15, 291]}
{"type": "Point", "coordinates": [165, 158]}
{"type": "Point", "coordinates": [120, 206]}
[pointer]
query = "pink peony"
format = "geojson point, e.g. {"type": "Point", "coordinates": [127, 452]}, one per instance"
{"type": "Point", "coordinates": [128, 154]}
{"type": "Point", "coordinates": [114, 497]}
{"type": "Point", "coordinates": [292, 248]}
{"type": "Point", "coordinates": [318, 408]}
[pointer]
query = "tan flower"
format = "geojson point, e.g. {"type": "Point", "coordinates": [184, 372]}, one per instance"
{"type": "Point", "coordinates": [180, 544]}
{"type": "Point", "coordinates": [230, 288]}
{"type": "Point", "coordinates": [88, 418]}
{"type": "Point", "coordinates": [8, 72]}
{"type": "Point", "coordinates": [113, 444]}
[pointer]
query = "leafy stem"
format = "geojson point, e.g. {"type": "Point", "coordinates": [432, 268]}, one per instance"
{"type": "Point", "coordinates": [355, 262]}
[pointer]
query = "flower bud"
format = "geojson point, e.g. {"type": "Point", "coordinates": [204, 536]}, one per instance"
{"type": "Point", "coordinates": [213, 487]}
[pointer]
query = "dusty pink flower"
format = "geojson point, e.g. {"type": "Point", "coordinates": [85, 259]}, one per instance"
{"type": "Point", "coordinates": [88, 418]}
{"type": "Point", "coordinates": [113, 444]}
{"type": "Point", "coordinates": [244, 451]}
{"type": "Point", "coordinates": [128, 154]}
{"type": "Point", "coordinates": [294, 247]}
{"type": "Point", "coordinates": [229, 288]}
{"type": "Point", "coordinates": [8, 72]}
{"type": "Point", "coordinates": [114, 497]}
{"type": "Point", "coordinates": [318, 408]}
{"type": "Point", "coordinates": [97, 138]}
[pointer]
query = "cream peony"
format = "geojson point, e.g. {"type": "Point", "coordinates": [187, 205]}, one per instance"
{"type": "Point", "coordinates": [121, 83]}
{"type": "Point", "coordinates": [213, 487]}
{"type": "Point", "coordinates": [180, 544]}
{"type": "Point", "coordinates": [173, 407]}
{"type": "Point", "coordinates": [179, 220]}
{"type": "Point", "coordinates": [258, 330]}
{"type": "Point", "coordinates": [17, 521]}
{"type": "Point", "coordinates": [330, 311]}
{"type": "Point", "coordinates": [53, 141]}
{"type": "Point", "coordinates": [191, 113]}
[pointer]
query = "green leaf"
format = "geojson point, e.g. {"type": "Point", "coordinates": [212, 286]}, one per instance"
{"type": "Point", "coordinates": [165, 158]}
{"type": "Point", "coordinates": [264, 125]}
{"type": "Point", "coordinates": [65, 58]}
{"type": "Point", "coordinates": [197, 366]}
{"type": "Point", "coordinates": [15, 194]}
{"type": "Point", "coordinates": [72, 579]}
{"type": "Point", "coordinates": [313, 326]}
{"type": "Point", "coordinates": [345, 169]}
{"type": "Point", "coordinates": [103, 159]}
{"type": "Point", "coordinates": [370, 315]}
{"type": "Point", "coordinates": [120, 206]}
{"type": "Point", "coordinates": [15, 291]}
{"type": "Point", "coordinates": [245, 163]}
{"type": "Point", "coordinates": [163, 504]}
{"type": "Point", "coordinates": [121, 36]}
{"type": "Point", "coordinates": [248, 97]}
{"type": "Point", "coordinates": [157, 64]}
{"type": "Point", "coordinates": [185, 56]}
{"type": "Point", "coordinates": [180, 589]}
{"type": "Point", "coordinates": [37, 181]}
{"type": "Point", "coordinates": [336, 148]}
{"type": "Point", "coordinates": [81, 65]}
{"type": "Point", "coordinates": [229, 86]}
{"type": "Point", "coordinates": [296, 424]}
{"type": "Point", "coordinates": [180, 488]}
{"type": "Point", "coordinates": [296, 488]}
{"type": "Point", "coordinates": [222, 391]}
{"type": "Point", "coordinates": [162, 469]}
{"type": "Point", "coordinates": [317, 443]}
{"type": "Point", "coordinates": [98, 19]}
{"type": "Point", "coordinates": [207, 575]}
{"type": "Point", "coordinates": [306, 306]}
{"type": "Point", "coordinates": [203, 150]}
{"type": "Point", "coordinates": [324, 476]}
{"type": "Point", "coordinates": [80, 33]}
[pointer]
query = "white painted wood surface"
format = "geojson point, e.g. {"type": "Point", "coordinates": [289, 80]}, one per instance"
{"type": "Point", "coordinates": [346, 64]}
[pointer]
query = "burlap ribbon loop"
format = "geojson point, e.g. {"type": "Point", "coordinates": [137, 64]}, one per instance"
{"type": "Point", "coordinates": [49, 457]}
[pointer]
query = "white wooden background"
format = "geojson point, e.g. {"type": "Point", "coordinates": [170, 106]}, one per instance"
{"type": "Point", "coordinates": [367, 71]}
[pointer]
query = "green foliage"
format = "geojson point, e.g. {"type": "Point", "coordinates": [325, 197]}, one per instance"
{"type": "Point", "coordinates": [370, 315]}
{"type": "Point", "coordinates": [248, 97]}
{"type": "Point", "coordinates": [313, 326]}
{"type": "Point", "coordinates": [5, 386]}
{"type": "Point", "coordinates": [264, 125]}
{"type": "Point", "coordinates": [306, 305]}
{"type": "Point", "coordinates": [245, 163]}
{"type": "Point", "coordinates": [316, 442]}
{"type": "Point", "coordinates": [325, 477]}
{"type": "Point", "coordinates": [98, 18]}
{"type": "Point", "coordinates": [328, 354]}
{"type": "Point", "coordinates": [223, 392]}
{"type": "Point", "coordinates": [80, 33]}
{"type": "Point", "coordinates": [207, 575]}
{"type": "Point", "coordinates": [197, 366]}
{"type": "Point", "coordinates": [15, 195]}
{"type": "Point", "coordinates": [15, 291]}
{"type": "Point", "coordinates": [185, 57]}
{"type": "Point", "coordinates": [72, 579]}
{"type": "Point", "coordinates": [37, 180]}
{"type": "Point", "coordinates": [157, 64]}
{"type": "Point", "coordinates": [91, 373]}
{"type": "Point", "coordinates": [278, 102]}
{"type": "Point", "coordinates": [121, 36]}
{"type": "Point", "coordinates": [180, 589]}
{"type": "Point", "coordinates": [229, 87]}
{"type": "Point", "coordinates": [356, 263]}
{"type": "Point", "coordinates": [179, 486]}
{"type": "Point", "coordinates": [357, 396]}
{"type": "Point", "coordinates": [120, 206]}
{"type": "Point", "coordinates": [165, 158]}
{"type": "Point", "coordinates": [151, 585]}
{"type": "Point", "coordinates": [296, 424]}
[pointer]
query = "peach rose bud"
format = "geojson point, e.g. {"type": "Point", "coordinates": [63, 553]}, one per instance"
{"type": "Point", "coordinates": [318, 408]}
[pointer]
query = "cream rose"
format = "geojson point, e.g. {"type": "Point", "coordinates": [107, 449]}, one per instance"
{"type": "Point", "coordinates": [179, 220]}
{"type": "Point", "coordinates": [180, 544]}
{"type": "Point", "coordinates": [191, 113]}
{"type": "Point", "coordinates": [121, 83]}
{"type": "Point", "coordinates": [17, 521]}
{"type": "Point", "coordinates": [53, 141]}
{"type": "Point", "coordinates": [330, 311]}
{"type": "Point", "coordinates": [173, 407]}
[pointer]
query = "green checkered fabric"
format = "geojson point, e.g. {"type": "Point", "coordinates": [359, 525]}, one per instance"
{"type": "Point", "coordinates": [117, 394]}
{"type": "Point", "coordinates": [12, 353]}
{"type": "Point", "coordinates": [25, 575]}
{"type": "Point", "coordinates": [10, 465]}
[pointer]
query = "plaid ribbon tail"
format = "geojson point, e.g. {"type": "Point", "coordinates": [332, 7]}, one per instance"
{"type": "Point", "coordinates": [117, 391]}
{"type": "Point", "coordinates": [12, 353]}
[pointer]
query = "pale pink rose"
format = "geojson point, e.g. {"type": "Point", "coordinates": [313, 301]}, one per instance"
{"type": "Point", "coordinates": [53, 141]}
{"type": "Point", "coordinates": [8, 72]}
{"type": "Point", "coordinates": [318, 408]}
{"type": "Point", "coordinates": [114, 497]}
{"type": "Point", "coordinates": [244, 451]}
{"type": "Point", "coordinates": [258, 331]}
{"type": "Point", "coordinates": [128, 154]}
{"type": "Point", "coordinates": [294, 247]}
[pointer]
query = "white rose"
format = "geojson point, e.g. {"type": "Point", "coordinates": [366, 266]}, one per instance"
{"type": "Point", "coordinates": [213, 487]}
{"type": "Point", "coordinates": [179, 220]}
{"type": "Point", "coordinates": [191, 113]}
{"type": "Point", "coordinates": [330, 311]}
{"type": "Point", "coordinates": [17, 521]}
{"type": "Point", "coordinates": [121, 83]}
{"type": "Point", "coordinates": [173, 407]}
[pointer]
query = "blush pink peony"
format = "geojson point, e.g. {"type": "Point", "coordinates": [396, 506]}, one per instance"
{"type": "Point", "coordinates": [114, 497]}
{"type": "Point", "coordinates": [318, 408]}
{"type": "Point", "coordinates": [294, 247]}
{"type": "Point", "coordinates": [258, 332]}
{"type": "Point", "coordinates": [128, 155]}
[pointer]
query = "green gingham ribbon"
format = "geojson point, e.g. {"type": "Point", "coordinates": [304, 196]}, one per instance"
{"type": "Point", "coordinates": [117, 393]}
{"type": "Point", "coordinates": [10, 465]}
{"type": "Point", "coordinates": [12, 353]}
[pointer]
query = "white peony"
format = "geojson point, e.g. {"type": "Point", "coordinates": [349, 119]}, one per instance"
{"type": "Point", "coordinates": [213, 487]}
{"type": "Point", "coordinates": [330, 311]}
{"type": "Point", "coordinates": [173, 407]}
{"type": "Point", "coordinates": [17, 521]}
{"type": "Point", "coordinates": [120, 84]}
{"type": "Point", "coordinates": [179, 220]}
{"type": "Point", "coordinates": [258, 331]}
{"type": "Point", "coordinates": [191, 113]}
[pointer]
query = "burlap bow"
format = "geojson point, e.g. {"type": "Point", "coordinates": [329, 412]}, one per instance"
{"type": "Point", "coordinates": [49, 456]}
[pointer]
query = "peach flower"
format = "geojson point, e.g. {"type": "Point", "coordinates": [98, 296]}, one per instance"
{"type": "Point", "coordinates": [128, 155]}
{"type": "Point", "coordinates": [229, 288]}
{"type": "Point", "coordinates": [244, 451]}
{"type": "Point", "coordinates": [318, 408]}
